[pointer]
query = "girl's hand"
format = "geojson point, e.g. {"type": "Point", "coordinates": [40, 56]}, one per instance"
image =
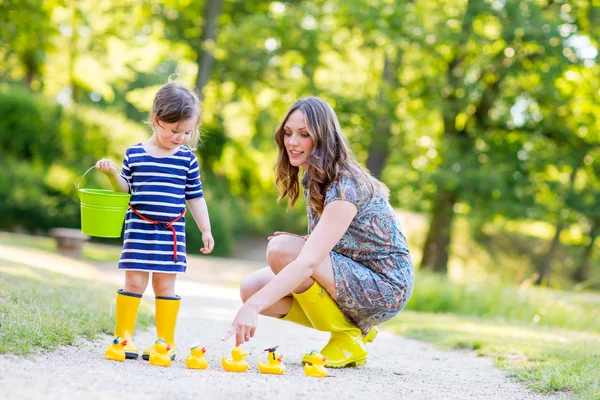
{"type": "Point", "coordinates": [244, 324]}
{"type": "Point", "coordinates": [106, 166]}
{"type": "Point", "coordinates": [209, 243]}
{"type": "Point", "coordinates": [289, 234]}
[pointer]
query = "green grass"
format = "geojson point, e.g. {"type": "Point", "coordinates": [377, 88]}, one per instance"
{"type": "Point", "coordinates": [546, 338]}
{"type": "Point", "coordinates": [537, 306]}
{"type": "Point", "coordinates": [546, 360]}
{"type": "Point", "coordinates": [42, 310]}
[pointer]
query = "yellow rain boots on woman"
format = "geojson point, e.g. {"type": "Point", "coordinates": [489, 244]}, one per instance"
{"type": "Point", "coordinates": [126, 314]}
{"type": "Point", "coordinates": [345, 347]}
{"type": "Point", "coordinates": [297, 316]}
{"type": "Point", "coordinates": [167, 310]}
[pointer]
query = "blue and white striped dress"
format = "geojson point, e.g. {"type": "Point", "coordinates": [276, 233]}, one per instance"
{"type": "Point", "coordinates": [161, 187]}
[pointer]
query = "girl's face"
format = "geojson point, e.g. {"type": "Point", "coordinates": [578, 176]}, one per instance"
{"type": "Point", "coordinates": [170, 135]}
{"type": "Point", "coordinates": [296, 139]}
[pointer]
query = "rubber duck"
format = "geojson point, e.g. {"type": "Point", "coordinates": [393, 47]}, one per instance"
{"type": "Point", "coordinates": [237, 362]}
{"type": "Point", "coordinates": [160, 354]}
{"type": "Point", "coordinates": [317, 369]}
{"type": "Point", "coordinates": [196, 358]}
{"type": "Point", "coordinates": [116, 350]}
{"type": "Point", "coordinates": [273, 364]}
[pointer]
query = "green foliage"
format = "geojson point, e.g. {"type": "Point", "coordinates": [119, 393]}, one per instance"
{"type": "Point", "coordinates": [28, 202]}
{"type": "Point", "coordinates": [44, 150]}
{"type": "Point", "coordinates": [30, 128]}
{"type": "Point", "coordinates": [26, 34]}
{"type": "Point", "coordinates": [224, 215]}
{"type": "Point", "coordinates": [494, 102]}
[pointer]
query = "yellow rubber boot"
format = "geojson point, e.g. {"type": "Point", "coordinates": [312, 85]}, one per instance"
{"type": "Point", "coordinates": [345, 347]}
{"type": "Point", "coordinates": [167, 310]}
{"type": "Point", "coordinates": [127, 308]}
{"type": "Point", "coordinates": [297, 316]}
{"type": "Point", "coordinates": [368, 338]}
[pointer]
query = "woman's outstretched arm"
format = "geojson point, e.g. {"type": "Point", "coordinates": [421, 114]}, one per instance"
{"type": "Point", "coordinates": [332, 225]}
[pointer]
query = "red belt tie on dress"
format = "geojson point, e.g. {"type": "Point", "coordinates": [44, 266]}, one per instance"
{"type": "Point", "coordinates": [168, 225]}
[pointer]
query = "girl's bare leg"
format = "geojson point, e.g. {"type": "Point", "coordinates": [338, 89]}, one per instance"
{"type": "Point", "coordinates": [163, 284]}
{"type": "Point", "coordinates": [136, 282]}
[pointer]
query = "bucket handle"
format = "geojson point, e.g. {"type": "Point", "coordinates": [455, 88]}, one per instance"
{"type": "Point", "coordinates": [78, 185]}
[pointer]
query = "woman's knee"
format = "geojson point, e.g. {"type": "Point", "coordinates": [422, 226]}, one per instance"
{"type": "Point", "coordinates": [253, 282]}
{"type": "Point", "coordinates": [282, 250]}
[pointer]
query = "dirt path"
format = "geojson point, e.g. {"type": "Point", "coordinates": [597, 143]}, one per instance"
{"type": "Point", "coordinates": [397, 367]}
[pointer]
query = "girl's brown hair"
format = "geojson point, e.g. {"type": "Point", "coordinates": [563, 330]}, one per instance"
{"type": "Point", "coordinates": [174, 103]}
{"type": "Point", "coordinates": [331, 156]}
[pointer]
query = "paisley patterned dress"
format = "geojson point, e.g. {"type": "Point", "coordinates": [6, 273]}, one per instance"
{"type": "Point", "coordinates": [371, 263]}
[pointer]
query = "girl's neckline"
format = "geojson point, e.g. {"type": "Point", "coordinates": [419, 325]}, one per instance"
{"type": "Point", "coordinates": [153, 156]}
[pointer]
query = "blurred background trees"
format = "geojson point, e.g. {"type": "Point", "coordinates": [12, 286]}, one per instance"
{"type": "Point", "coordinates": [481, 115]}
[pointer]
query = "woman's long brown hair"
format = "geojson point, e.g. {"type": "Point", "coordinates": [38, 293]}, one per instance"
{"type": "Point", "coordinates": [331, 156]}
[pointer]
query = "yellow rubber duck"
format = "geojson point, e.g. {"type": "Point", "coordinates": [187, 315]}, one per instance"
{"type": "Point", "coordinates": [116, 350]}
{"type": "Point", "coordinates": [237, 362]}
{"type": "Point", "coordinates": [273, 364]}
{"type": "Point", "coordinates": [196, 358]}
{"type": "Point", "coordinates": [317, 369]}
{"type": "Point", "coordinates": [160, 354]}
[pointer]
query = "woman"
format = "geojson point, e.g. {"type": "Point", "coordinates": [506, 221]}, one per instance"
{"type": "Point", "coordinates": [353, 271]}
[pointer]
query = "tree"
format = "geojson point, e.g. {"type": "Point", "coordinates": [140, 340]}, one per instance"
{"type": "Point", "coordinates": [473, 100]}
{"type": "Point", "coordinates": [25, 36]}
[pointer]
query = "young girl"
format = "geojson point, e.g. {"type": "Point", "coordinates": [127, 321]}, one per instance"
{"type": "Point", "coordinates": [161, 173]}
{"type": "Point", "coordinates": [353, 271]}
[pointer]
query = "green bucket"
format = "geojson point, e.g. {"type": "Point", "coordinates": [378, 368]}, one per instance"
{"type": "Point", "coordinates": [102, 211]}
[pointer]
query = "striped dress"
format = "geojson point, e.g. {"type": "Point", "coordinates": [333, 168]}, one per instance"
{"type": "Point", "coordinates": [160, 187]}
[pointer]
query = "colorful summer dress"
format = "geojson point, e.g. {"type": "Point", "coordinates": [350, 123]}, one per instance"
{"type": "Point", "coordinates": [161, 187]}
{"type": "Point", "coordinates": [372, 266]}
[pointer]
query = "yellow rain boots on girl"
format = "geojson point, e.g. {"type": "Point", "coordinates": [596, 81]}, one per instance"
{"type": "Point", "coordinates": [345, 347]}
{"type": "Point", "coordinates": [297, 316]}
{"type": "Point", "coordinates": [167, 310]}
{"type": "Point", "coordinates": [125, 316]}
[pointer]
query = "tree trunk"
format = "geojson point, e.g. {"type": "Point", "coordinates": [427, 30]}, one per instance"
{"type": "Point", "coordinates": [583, 272]}
{"type": "Point", "coordinates": [205, 60]}
{"type": "Point", "coordinates": [437, 245]}
{"type": "Point", "coordinates": [31, 68]}
{"type": "Point", "coordinates": [379, 148]}
{"type": "Point", "coordinates": [436, 250]}
{"type": "Point", "coordinates": [545, 265]}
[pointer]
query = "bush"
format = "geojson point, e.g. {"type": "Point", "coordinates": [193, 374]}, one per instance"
{"type": "Point", "coordinates": [26, 202]}
{"type": "Point", "coordinates": [45, 149]}
{"type": "Point", "coordinates": [29, 127]}
{"type": "Point", "coordinates": [222, 222]}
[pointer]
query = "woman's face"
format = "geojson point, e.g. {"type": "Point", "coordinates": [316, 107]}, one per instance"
{"type": "Point", "coordinates": [296, 139]}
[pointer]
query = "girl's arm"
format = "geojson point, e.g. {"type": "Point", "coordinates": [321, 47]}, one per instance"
{"type": "Point", "coordinates": [332, 225]}
{"type": "Point", "coordinates": [199, 210]}
{"type": "Point", "coordinates": [109, 169]}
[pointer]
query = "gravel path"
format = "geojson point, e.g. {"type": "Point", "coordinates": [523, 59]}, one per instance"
{"type": "Point", "coordinates": [397, 367]}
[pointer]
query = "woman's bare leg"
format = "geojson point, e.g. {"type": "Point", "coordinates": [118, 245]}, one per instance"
{"type": "Point", "coordinates": [281, 251]}
{"type": "Point", "coordinates": [284, 249]}
{"type": "Point", "coordinates": [255, 281]}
